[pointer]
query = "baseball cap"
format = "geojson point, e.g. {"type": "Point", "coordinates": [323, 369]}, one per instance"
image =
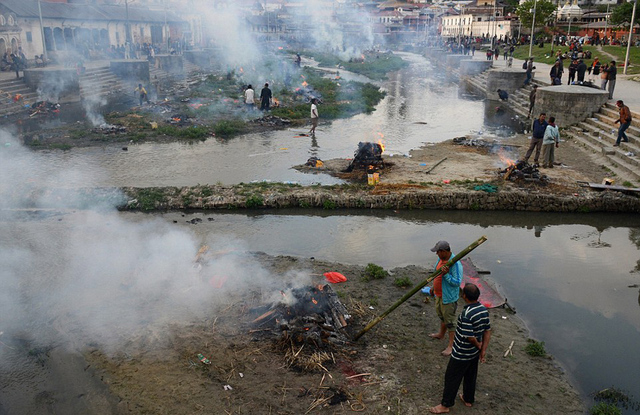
{"type": "Point", "coordinates": [441, 246]}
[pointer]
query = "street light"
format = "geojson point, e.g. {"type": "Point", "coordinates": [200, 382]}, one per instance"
{"type": "Point", "coordinates": [533, 23]}
{"type": "Point", "coordinates": [633, 17]}
{"type": "Point", "coordinates": [569, 31]}
{"type": "Point", "coordinates": [44, 44]}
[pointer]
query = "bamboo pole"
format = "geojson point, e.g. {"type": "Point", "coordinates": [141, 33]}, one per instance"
{"type": "Point", "coordinates": [436, 165]}
{"type": "Point", "coordinates": [417, 288]}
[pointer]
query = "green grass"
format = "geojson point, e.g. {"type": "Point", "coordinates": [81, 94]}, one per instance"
{"type": "Point", "coordinates": [403, 282]}
{"type": "Point", "coordinates": [229, 128]}
{"type": "Point", "coordinates": [602, 408]}
{"type": "Point", "coordinates": [195, 132]}
{"type": "Point", "coordinates": [545, 55]}
{"type": "Point", "coordinates": [148, 199]}
{"type": "Point", "coordinates": [375, 65]}
{"type": "Point", "coordinates": [374, 272]}
{"type": "Point", "coordinates": [255, 201]}
{"type": "Point", "coordinates": [536, 349]}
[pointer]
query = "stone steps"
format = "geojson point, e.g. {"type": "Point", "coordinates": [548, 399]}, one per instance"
{"type": "Point", "coordinates": [99, 81]}
{"type": "Point", "coordinates": [8, 89]}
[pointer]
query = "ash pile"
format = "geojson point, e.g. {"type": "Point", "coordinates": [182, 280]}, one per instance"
{"type": "Point", "coordinates": [308, 93]}
{"type": "Point", "coordinates": [523, 171]}
{"type": "Point", "coordinates": [179, 120]}
{"type": "Point", "coordinates": [308, 324]}
{"type": "Point", "coordinates": [272, 121]}
{"type": "Point", "coordinates": [44, 108]}
{"type": "Point", "coordinates": [368, 157]}
{"type": "Point", "coordinates": [110, 129]}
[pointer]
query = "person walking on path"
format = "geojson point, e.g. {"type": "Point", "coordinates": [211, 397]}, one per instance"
{"type": "Point", "coordinates": [539, 127]}
{"type": "Point", "coordinates": [556, 74]}
{"type": "Point", "coordinates": [550, 142]}
{"type": "Point", "coordinates": [265, 98]}
{"type": "Point", "coordinates": [594, 69]}
{"type": "Point", "coordinates": [142, 93]}
{"type": "Point", "coordinates": [573, 67]}
{"type": "Point", "coordinates": [529, 71]}
{"type": "Point", "coordinates": [446, 288]}
{"type": "Point", "coordinates": [250, 98]}
{"type": "Point", "coordinates": [472, 336]}
{"type": "Point", "coordinates": [604, 77]}
{"type": "Point", "coordinates": [625, 122]}
{"type": "Point", "coordinates": [580, 70]}
{"type": "Point", "coordinates": [612, 72]}
{"type": "Point", "coordinates": [532, 99]}
{"type": "Point", "coordinates": [314, 116]}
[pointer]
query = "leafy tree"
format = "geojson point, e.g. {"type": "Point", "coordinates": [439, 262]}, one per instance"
{"type": "Point", "coordinates": [544, 12]}
{"type": "Point", "coordinates": [622, 14]}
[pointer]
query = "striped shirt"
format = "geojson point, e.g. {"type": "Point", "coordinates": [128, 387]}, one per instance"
{"type": "Point", "coordinates": [473, 321]}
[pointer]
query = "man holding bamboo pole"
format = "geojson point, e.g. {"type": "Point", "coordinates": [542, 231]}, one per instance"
{"type": "Point", "coordinates": [446, 288]}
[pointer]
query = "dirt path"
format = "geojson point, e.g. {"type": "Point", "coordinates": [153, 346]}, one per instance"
{"type": "Point", "coordinates": [400, 369]}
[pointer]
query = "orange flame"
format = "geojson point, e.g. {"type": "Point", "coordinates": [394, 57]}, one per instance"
{"type": "Point", "coordinates": [314, 301]}
{"type": "Point", "coordinates": [380, 141]}
{"type": "Point", "coordinates": [241, 70]}
{"type": "Point", "coordinates": [280, 48]}
{"type": "Point", "coordinates": [305, 83]}
{"type": "Point", "coordinates": [506, 160]}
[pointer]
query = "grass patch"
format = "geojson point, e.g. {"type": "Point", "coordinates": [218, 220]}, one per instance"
{"type": "Point", "coordinates": [403, 282]}
{"type": "Point", "coordinates": [374, 272]}
{"type": "Point", "coordinates": [149, 199]}
{"type": "Point", "coordinates": [329, 204]}
{"type": "Point", "coordinates": [627, 183]}
{"type": "Point", "coordinates": [58, 146]}
{"type": "Point", "coordinates": [254, 201]}
{"type": "Point", "coordinates": [614, 398]}
{"type": "Point", "coordinates": [229, 128]}
{"type": "Point", "coordinates": [535, 349]}
{"type": "Point", "coordinates": [602, 408]}
{"type": "Point", "coordinates": [195, 132]}
{"type": "Point", "coordinates": [374, 65]}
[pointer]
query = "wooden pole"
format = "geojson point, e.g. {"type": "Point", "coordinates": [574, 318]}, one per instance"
{"type": "Point", "coordinates": [435, 165]}
{"type": "Point", "coordinates": [417, 288]}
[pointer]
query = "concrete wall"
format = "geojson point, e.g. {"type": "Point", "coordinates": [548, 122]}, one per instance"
{"type": "Point", "coordinates": [133, 71]}
{"type": "Point", "coordinates": [202, 58]}
{"type": "Point", "coordinates": [470, 67]}
{"type": "Point", "coordinates": [170, 63]}
{"type": "Point", "coordinates": [507, 79]}
{"type": "Point", "coordinates": [453, 61]}
{"type": "Point", "coordinates": [570, 104]}
{"type": "Point", "coordinates": [53, 83]}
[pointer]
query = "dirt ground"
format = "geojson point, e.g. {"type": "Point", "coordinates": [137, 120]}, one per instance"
{"type": "Point", "coordinates": [400, 369]}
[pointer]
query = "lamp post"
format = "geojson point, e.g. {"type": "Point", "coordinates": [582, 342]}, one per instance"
{"type": "Point", "coordinates": [533, 24]}
{"type": "Point", "coordinates": [569, 31]}
{"type": "Point", "coordinates": [127, 34]}
{"type": "Point", "coordinates": [606, 20]}
{"type": "Point", "coordinates": [44, 44]}
{"type": "Point", "coordinates": [633, 17]}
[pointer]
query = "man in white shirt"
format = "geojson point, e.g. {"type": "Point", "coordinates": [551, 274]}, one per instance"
{"type": "Point", "coordinates": [314, 116]}
{"type": "Point", "coordinates": [249, 97]}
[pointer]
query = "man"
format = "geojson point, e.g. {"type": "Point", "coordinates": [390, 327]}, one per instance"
{"type": "Point", "coordinates": [573, 67]}
{"type": "Point", "coordinates": [604, 76]}
{"type": "Point", "coordinates": [530, 69]}
{"type": "Point", "coordinates": [532, 99]}
{"type": "Point", "coordinates": [581, 70]}
{"type": "Point", "coordinates": [556, 73]}
{"type": "Point", "coordinates": [625, 122]}
{"type": "Point", "coordinates": [612, 71]}
{"type": "Point", "coordinates": [539, 126]}
{"type": "Point", "coordinates": [142, 93]}
{"type": "Point", "coordinates": [503, 95]}
{"type": "Point", "coordinates": [265, 98]}
{"type": "Point", "coordinates": [594, 69]}
{"type": "Point", "coordinates": [551, 138]}
{"type": "Point", "coordinates": [314, 116]}
{"type": "Point", "coordinates": [249, 97]}
{"type": "Point", "coordinates": [472, 336]}
{"type": "Point", "coordinates": [446, 288]}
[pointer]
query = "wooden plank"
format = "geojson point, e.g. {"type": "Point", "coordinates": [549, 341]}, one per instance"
{"type": "Point", "coordinates": [598, 186]}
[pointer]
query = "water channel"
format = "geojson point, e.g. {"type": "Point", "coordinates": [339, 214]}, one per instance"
{"type": "Point", "coordinates": [568, 275]}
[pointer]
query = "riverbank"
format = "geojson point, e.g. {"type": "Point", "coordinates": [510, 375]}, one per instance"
{"type": "Point", "coordinates": [396, 367]}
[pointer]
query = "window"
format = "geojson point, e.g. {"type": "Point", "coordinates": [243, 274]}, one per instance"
{"type": "Point", "coordinates": [29, 37]}
{"type": "Point", "coordinates": [10, 20]}
{"type": "Point", "coordinates": [2, 20]}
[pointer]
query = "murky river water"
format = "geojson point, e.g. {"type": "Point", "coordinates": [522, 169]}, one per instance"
{"type": "Point", "coordinates": [567, 275]}
{"type": "Point", "coordinates": [416, 95]}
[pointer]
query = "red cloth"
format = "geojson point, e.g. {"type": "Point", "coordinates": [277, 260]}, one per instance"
{"type": "Point", "coordinates": [437, 283]}
{"type": "Point", "coordinates": [334, 277]}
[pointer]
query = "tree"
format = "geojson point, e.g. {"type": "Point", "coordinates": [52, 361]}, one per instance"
{"type": "Point", "coordinates": [621, 15]}
{"type": "Point", "coordinates": [544, 12]}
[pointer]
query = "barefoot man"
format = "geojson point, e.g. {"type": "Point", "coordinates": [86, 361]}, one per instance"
{"type": "Point", "coordinates": [470, 347]}
{"type": "Point", "coordinates": [446, 288]}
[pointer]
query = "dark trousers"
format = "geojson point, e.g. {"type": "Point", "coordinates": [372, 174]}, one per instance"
{"type": "Point", "coordinates": [621, 135]}
{"type": "Point", "coordinates": [536, 143]}
{"type": "Point", "coordinates": [460, 371]}
{"type": "Point", "coordinates": [264, 105]}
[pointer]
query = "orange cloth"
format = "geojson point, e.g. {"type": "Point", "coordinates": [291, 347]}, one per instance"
{"type": "Point", "coordinates": [437, 283]}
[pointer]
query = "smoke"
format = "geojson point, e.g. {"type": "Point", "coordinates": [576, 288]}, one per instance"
{"type": "Point", "coordinates": [96, 277]}
{"type": "Point", "coordinates": [92, 104]}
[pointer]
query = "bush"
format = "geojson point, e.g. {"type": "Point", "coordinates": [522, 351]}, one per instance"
{"type": "Point", "coordinates": [229, 128]}
{"type": "Point", "coordinates": [254, 201]}
{"type": "Point", "coordinates": [403, 282]}
{"type": "Point", "coordinates": [602, 408]}
{"type": "Point", "coordinates": [149, 198]}
{"type": "Point", "coordinates": [374, 272]}
{"type": "Point", "coordinates": [535, 349]}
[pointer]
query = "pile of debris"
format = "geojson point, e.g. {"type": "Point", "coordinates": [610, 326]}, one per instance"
{"type": "Point", "coordinates": [179, 120]}
{"type": "Point", "coordinates": [308, 93]}
{"type": "Point", "coordinates": [45, 108]}
{"type": "Point", "coordinates": [521, 170]}
{"type": "Point", "coordinates": [310, 318]}
{"type": "Point", "coordinates": [272, 121]}
{"type": "Point", "coordinates": [110, 129]}
{"type": "Point", "coordinates": [368, 156]}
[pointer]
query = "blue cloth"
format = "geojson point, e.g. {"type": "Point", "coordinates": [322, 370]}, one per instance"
{"type": "Point", "coordinates": [451, 282]}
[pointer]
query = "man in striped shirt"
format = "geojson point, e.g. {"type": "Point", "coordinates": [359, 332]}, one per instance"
{"type": "Point", "coordinates": [473, 332]}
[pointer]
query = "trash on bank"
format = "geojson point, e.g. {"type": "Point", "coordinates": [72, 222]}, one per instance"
{"type": "Point", "coordinates": [203, 359]}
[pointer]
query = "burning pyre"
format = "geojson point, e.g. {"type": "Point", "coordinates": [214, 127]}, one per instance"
{"type": "Point", "coordinates": [523, 171]}
{"type": "Point", "coordinates": [110, 129]}
{"type": "Point", "coordinates": [309, 318]}
{"type": "Point", "coordinates": [368, 156]}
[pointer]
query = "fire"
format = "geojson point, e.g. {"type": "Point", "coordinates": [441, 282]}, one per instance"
{"type": "Point", "coordinates": [314, 301]}
{"type": "Point", "coordinates": [241, 70]}
{"type": "Point", "coordinates": [280, 48]}
{"type": "Point", "coordinates": [363, 58]}
{"type": "Point", "coordinates": [320, 287]}
{"type": "Point", "coordinates": [506, 160]}
{"type": "Point", "coordinates": [381, 145]}
{"type": "Point", "coordinates": [305, 83]}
